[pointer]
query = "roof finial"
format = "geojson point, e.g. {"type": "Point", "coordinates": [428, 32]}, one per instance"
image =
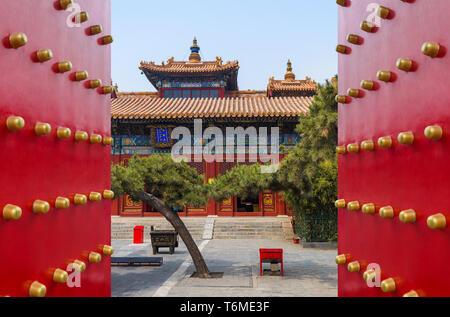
{"type": "Point", "coordinates": [195, 49]}
{"type": "Point", "coordinates": [289, 74]}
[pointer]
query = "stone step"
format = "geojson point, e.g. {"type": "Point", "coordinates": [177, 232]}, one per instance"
{"type": "Point", "coordinates": [275, 228]}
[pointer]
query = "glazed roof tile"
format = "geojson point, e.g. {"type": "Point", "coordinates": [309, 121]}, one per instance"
{"type": "Point", "coordinates": [139, 106]}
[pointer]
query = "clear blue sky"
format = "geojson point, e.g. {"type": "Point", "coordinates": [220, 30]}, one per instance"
{"type": "Point", "coordinates": [261, 34]}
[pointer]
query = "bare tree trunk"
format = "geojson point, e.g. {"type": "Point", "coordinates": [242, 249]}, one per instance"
{"type": "Point", "coordinates": [180, 227]}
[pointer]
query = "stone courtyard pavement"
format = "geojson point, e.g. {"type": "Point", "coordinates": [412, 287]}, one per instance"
{"type": "Point", "coordinates": [307, 272]}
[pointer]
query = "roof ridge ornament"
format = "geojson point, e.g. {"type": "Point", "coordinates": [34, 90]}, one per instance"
{"type": "Point", "coordinates": [289, 74]}
{"type": "Point", "coordinates": [195, 49]}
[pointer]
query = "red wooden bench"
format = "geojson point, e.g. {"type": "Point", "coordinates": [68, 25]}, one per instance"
{"type": "Point", "coordinates": [270, 256]}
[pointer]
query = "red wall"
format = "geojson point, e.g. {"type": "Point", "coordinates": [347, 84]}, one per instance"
{"type": "Point", "coordinates": [45, 167]}
{"type": "Point", "coordinates": [404, 177]}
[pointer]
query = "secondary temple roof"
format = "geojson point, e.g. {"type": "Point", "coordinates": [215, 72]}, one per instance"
{"type": "Point", "coordinates": [291, 86]}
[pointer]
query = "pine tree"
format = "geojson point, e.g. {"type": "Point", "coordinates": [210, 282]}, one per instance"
{"type": "Point", "coordinates": [309, 172]}
{"type": "Point", "coordinates": [165, 185]}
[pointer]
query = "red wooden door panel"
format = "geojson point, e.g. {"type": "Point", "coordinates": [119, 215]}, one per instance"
{"type": "Point", "coordinates": [403, 176]}
{"type": "Point", "coordinates": [46, 167]}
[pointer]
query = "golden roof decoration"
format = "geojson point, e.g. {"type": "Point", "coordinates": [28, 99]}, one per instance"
{"type": "Point", "coordinates": [194, 66]}
{"type": "Point", "coordinates": [188, 67]}
{"type": "Point", "coordinates": [290, 84]}
{"type": "Point", "coordinates": [290, 76]}
{"type": "Point", "coordinates": [195, 53]}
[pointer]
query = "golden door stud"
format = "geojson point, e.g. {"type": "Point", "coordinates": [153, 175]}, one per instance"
{"type": "Point", "coordinates": [367, 85]}
{"type": "Point", "coordinates": [340, 203]}
{"type": "Point", "coordinates": [385, 142]}
{"type": "Point", "coordinates": [367, 26]}
{"type": "Point", "coordinates": [79, 265]}
{"type": "Point", "coordinates": [95, 83]}
{"type": "Point", "coordinates": [387, 212]}
{"type": "Point", "coordinates": [82, 17]}
{"type": "Point", "coordinates": [341, 49]}
{"type": "Point", "coordinates": [341, 99]}
{"type": "Point", "coordinates": [64, 67]}
{"type": "Point", "coordinates": [434, 132]}
{"type": "Point", "coordinates": [353, 148]}
{"type": "Point", "coordinates": [94, 196]}
{"type": "Point", "coordinates": [62, 203]}
{"type": "Point", "coordinates": [81, 136]}
{"type": "Point", "coordinates": [341, 149]}
{"type": "Point", "coordinates": [37, 289]}
{"type": "Point", "coordinates": [108, 39]}
{"type": "Point", "coordinates": [41, 207]}
{"type": "Point", "coordinates": [60, 276]}
{"type": "Point", "coordinates": [18, 40]}
{"type": "Point", "coordinates": [388, 285]}
{"type": "Point", "coordinates": [107, 250]}
{"type": "Point", "coordinates": [411, 293]}
{"type": "Point", "coordinates": [384, 75]}
{"type": "Point", "coordinates": [63, 133]}
{"type": "Point", "coordinates": [80, 199]}
{"type": "Point", "coordinates": [369, 275]}
{"type": "Point", "coordinates": [12, 212]}
{"type": "Point", "coordinates": [353, 206]}
{"type": "Point", "coordinates": [108, 194]}
{"type": "Point", "coordinates": [95, 257]}
{"type": "Point", "coordinates": [353, 38]}
{"type": "Point", "coordinates": [431, 49]}
{"type": "Point", "coordinates": [353, 92]}
{"type": "Point", "coordinates": [383, 12]}
{"type": "Point", "coordinates": [42, 128]}
{"type": "Point", "coordinates": [81, 75]}
{"type": "Point", "coordinates": [14, 123]}
{"type": "Point", "coordinates": [437, 222]}
{"type": "Point", "coordinates": [368, 209]}
{"type": "Point", "coordinates": [407, 216]}
{"type": "Point", "coordinates": [367, 145]}
{"type": "Point", "coordinates": [404, 64]}
{"type": "Point", "coordinates": [406, 138]}
{"type": "Point", "coordinates": [341, 259]}
{"type": "Point", "coordinates": [65, 4]}
{"type": "Point", "coordinates": [44, 55]}
{"type": "Point", "coordinates": [353, 267]}
{"type": "Point", "coordinates": [95, 29]}
{"type": "Point", "coordinates": [96, 139]}
{"type": "Point", "coordinates": [107, 140]}
{"type": "Point", "coordinates": [107, 90]}
{"type": "Point", "coordinates": [342, 3]}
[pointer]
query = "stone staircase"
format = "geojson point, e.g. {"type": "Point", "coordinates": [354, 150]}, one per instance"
{"type": "Point", "coordinates": [273, 228]}
{"type": "Point", "coordinates": [122, 227]}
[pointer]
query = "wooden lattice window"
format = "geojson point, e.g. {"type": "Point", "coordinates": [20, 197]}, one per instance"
{"type": "Point", "coordinates": [198, 166]}
{"type": "Point", "coordinates": [226, 166]}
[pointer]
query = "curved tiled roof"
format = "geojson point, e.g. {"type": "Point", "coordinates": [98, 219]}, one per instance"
{"type": "Point", "coordinates": [141, 107]}
{"type": "Point", "coordinates": [292, 85]}
{"type": "Point", "coordinates": [189, 67]}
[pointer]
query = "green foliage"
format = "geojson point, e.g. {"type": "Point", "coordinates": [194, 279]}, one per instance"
{"type": "Point", "coordinates": [176, 184]}
{"type": "Point", "coordinates": [245, 181]}
{"type": "Point", "coordinates": [309, 172]}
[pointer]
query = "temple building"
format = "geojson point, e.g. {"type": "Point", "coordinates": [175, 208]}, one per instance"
{"type": "Point", "coordinates": [143, 122]}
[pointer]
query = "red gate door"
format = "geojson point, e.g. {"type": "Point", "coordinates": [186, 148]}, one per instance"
{"type": "Point", "coordinates": [394, 136]}
{"type": "Point", "coordinates": [55, 137]}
